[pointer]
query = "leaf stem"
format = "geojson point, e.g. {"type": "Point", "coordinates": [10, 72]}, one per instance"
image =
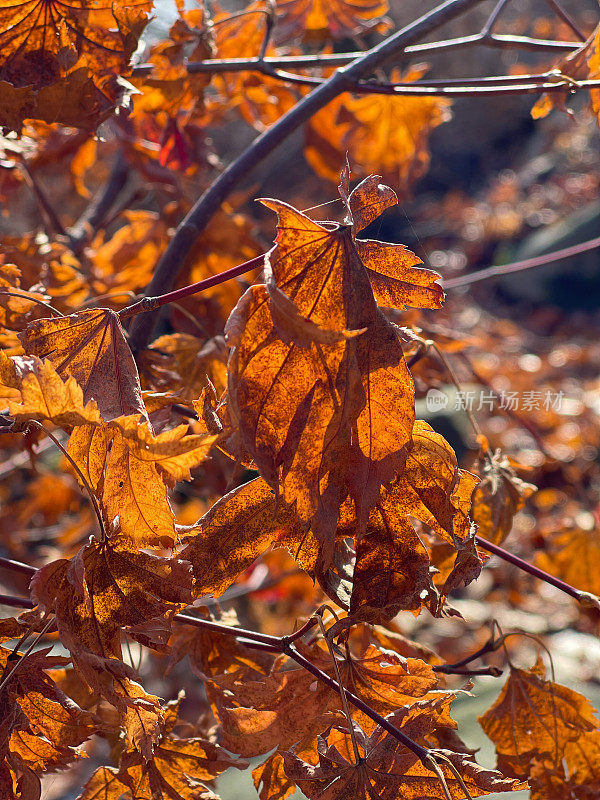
{"type": "Point", "coordinates": [25, 296]}
{"type": "Point", "coordinates": [80, 474]}
{"type": "Point", "coordinates": [276, 644]}
{"type": "Point", "coordinates": [228, 630]}
{"type": "Point", "coordinates": [342, 691]}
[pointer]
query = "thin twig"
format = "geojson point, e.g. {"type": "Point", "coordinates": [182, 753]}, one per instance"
{"type": "Point", "coordinates": [80, 474]}
{"type": "Point", "coordinates": [521, 266]}
{"type": "Point", "coordinates": [269, 26]}
{"type": "Point", "coordinates": [17, 566]}
{"type": "Point", "coordinates": [562, 14]}
{"type": "Point", "coordinates": [343, 697]}
{"type": "Point", "coordinates": [328, 60]}
{"type": "Point", "coordinates": [24, 296]}
{"type": "Point", "coordinates": [585, 598]}
{"type": "Point", "coordinates": [494, 17]}
{"type": "Point", "coordinates": [491, 671]}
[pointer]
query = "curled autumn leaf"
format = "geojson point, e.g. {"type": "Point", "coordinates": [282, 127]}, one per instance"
{"type": "Point", "coordinates": [386, 771]}
{"type": "Point", "coordinates": [45, 395]}
{"type": "Point", "coordinates": [104, 589]}
{"type": "Point", "coordinates": [176, 769]}
{"type": "Point", "coordinates": [535, 719]}
{"type": "Point", "coordinates": [90, 346]}
{"type": "Point", "coordinates": [323, 419]}
{"type": "Point", "coordinates": [497, 499]}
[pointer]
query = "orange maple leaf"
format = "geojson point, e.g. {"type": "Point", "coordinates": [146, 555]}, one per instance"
{"type": "Point", "coordinates": [317, 379]}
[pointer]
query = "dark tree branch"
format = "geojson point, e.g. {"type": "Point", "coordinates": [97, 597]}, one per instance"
{"type": "Point", "coordinates": [51, 220]}
{"type": "Point", "coordinates": [494, 17]}
{"type": "Point", "coordinates": [17, 566]}
{"type": "Point", "coordinates": [203, 210]}
{"type": "Point", "coordinates": [95, 213]}
{"type": "Point", "coordinates": [327, 60]}
{"type": "Point", "coordinates": [16, 602]}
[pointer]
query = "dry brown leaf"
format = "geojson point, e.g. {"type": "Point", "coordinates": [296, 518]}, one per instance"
{"type": "Point", "coordinates": [174, 452]}
{"type": "Point", "coordinates": [322, 419]}
{"type": "Point", "coordinates": [134, 492]}
{"type": "Point", "coordinates": [380, 133]}
{"type": "Point", "coordinates": [90, 346]}
{"type": "Point", "coordinates": [245, 522]}
{"type": "Point", "coordinates": [497, 499]}
{"type": "Point", "coordinates": [535, 718]}
{"type": "Point", "coordinates": [573, 556]}
{"type": "Point", "coordinates": [44, 395]}
{"type": "Point", "coordinates": [107, 588]}
{"type": "Point", "coordinates": [387, 773]}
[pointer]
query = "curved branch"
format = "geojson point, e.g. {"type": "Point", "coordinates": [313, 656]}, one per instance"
{"type": "Point", "coordinates": [326, 60]}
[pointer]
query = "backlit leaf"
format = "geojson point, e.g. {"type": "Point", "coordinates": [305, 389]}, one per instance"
{"type": "Point", "coordinates": [326, 418]}
{"type": "Point", "coordinates": [103, 590]}
{"type": "Point", "coordinates": [245, 522]}
{"type": "Point", "coordinates": [381, 133]}
{"type": "Point", "coordinates": [134, 492]}
{"type": "Point", "coordinates": [316, 20]}
{"type": "Point", "coordinates": [46, 396]}
{"type": "Point", "coordinates": [387, 773]}
{"type": "Point", "coordinates": [497, 499]}
{"type": "Point", "coordinates": [90, 346]}
{"type": "Point", "coordinates": [535, 718]}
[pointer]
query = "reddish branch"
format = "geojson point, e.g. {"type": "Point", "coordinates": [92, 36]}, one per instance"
{"type": "Point", "coordinates": [349, 77]}
{"type": "Point", "coordinates": [152, 303]}
{"type": "Point", "coordinates": [530, 568]}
